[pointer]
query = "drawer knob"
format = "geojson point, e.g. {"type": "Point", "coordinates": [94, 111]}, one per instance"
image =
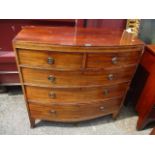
{"type": "Point", "coordinates": [114, 60]}
{"type": "Point", "coordinates": [110, 76]}
{"type": "Point", "coordinates": [106, 91]}
{"type": "Point", "coordinates": [50, 60]}
{"type": "Point", "coordinates": [53, 111]}
{"type": "Point", "coordinates": [52, 95]}
{"type": "Point", "coordinates": [51, 78]}
{"type": "Point", "coordinates": [102, 108]}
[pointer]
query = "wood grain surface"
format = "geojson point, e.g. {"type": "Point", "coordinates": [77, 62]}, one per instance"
{"type": "Point", "coordinates": [71, 75]}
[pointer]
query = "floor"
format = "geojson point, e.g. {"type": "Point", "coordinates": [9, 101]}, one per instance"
{"type": "Point", "coordinates": [14, 121]}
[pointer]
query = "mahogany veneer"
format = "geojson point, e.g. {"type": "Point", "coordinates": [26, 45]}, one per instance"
{"type": "Point", "coordinates": [74, 74]}
{"type": "Point", "coordinates": [146, 103]}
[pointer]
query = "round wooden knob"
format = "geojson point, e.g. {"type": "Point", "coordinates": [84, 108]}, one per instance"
{"type": "Point", "coordinates": [110, 76]}
{"type": "Point", "coordinates": [50, 60]}
{"type": "Point", "coordinates": [114, 60]}
{"type": "Point", "coordinates": [106, 91]}
{"type": "Point", "coordinates": [52, 111]}
{"type": "Point", "coordinates": [102, 108]}
{"type": "Point", "coordinates": [51, 78]}
{"type": "Point", "coordinates": [52, 95]}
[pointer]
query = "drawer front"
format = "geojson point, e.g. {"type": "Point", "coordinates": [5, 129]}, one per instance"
{"type": "Point", "coordinates": [112, 59]}
{"type": "Point", "coordinates": [48, 95]}
{"type": "Point", "coordinates": [78, 112]}
{"type": "Point", "coordinates": [76, 78]}
{"type": "Point", "coordinates": [45, 59]}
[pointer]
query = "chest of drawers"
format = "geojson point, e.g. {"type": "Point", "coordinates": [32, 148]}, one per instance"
{"type": "Point", "coordinates": [71, 75]}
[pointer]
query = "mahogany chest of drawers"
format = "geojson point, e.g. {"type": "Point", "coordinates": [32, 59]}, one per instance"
{"type": "Point", "coordinates": [74, 74]}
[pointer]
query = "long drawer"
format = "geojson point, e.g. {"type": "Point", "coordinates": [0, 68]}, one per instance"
{"type": "Point", "coordinates": [78, 112]}
{"type": "Point", "coordinates": [76, 78]}
{"type": "Point", "coordinates": [49, 95]}
{"type": "Point", "coordinates": [75, 61]}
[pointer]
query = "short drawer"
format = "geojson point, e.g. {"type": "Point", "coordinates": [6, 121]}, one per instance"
{"type": "Point", "coordinates": [76, 78]}
{"type": "Point", "coordinates": [48, 95]}
{"type": "Point", "coordinates": [72, 112]}
{"type": "Point", "coordinates": [49, 59]}
{"type": "Point", "coordinates": [103, 60]}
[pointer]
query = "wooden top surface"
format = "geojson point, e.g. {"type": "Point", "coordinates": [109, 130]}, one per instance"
{"type": "Point", "coordinates": [73, 36]}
